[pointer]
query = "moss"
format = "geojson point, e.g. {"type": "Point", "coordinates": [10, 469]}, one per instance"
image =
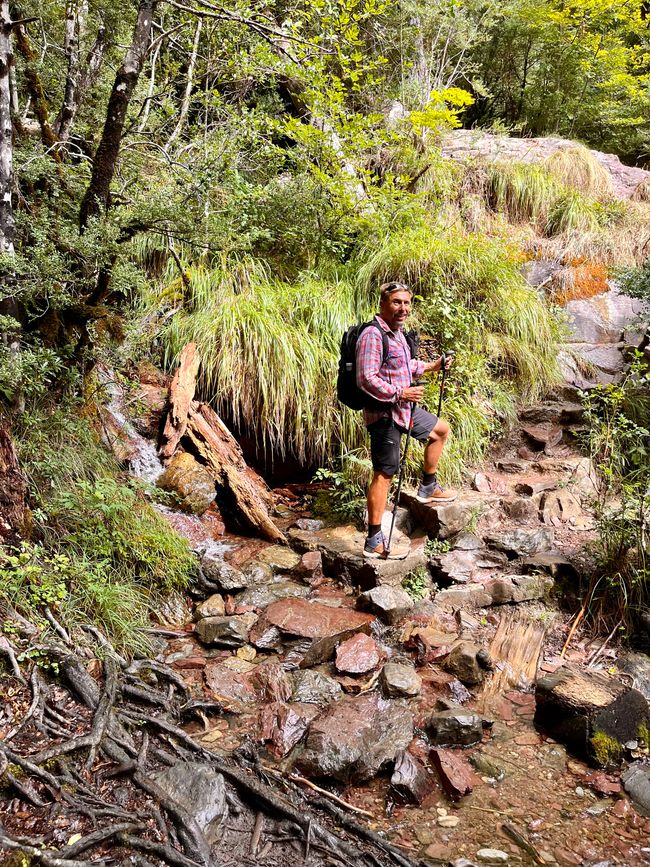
{"type": "Point", "coordinates": [606, 749]}
{"type": "Point", "coordinates": [643, 733]}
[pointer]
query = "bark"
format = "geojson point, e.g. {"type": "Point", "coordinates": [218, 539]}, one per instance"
{"type": "Point", "coordinates": [185, 105]}
{"type": "Point", "coordinates": [240, 488]}
{"type": "Point", "coordinates": [12, 491]}
{"type": "Point", "coordinates": [181, 395]}
{"type": "Point", "coordinates": [36, 91]}
{"type": "Point", "coordinates": [97, 197]}
{"type": "Point", "coordinates": [7, 228]}
{"type": "Point", "coordinates": [78, 83]}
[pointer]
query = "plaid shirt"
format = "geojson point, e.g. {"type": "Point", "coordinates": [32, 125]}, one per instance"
{"type": "Point", "coordinates": [386, 381]}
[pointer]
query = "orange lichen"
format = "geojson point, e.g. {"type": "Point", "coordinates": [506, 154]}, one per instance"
{"type": "Point", "coordinates": [582, 280]}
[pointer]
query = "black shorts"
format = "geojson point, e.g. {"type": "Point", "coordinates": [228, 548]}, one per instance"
{"type": "Point", "coordinates": [386, 436]}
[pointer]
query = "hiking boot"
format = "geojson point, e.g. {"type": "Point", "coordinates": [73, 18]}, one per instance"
{"type": "Point", "coordinates": [434, 493]}
{"type": "Point", "coordinates": [375, 547]}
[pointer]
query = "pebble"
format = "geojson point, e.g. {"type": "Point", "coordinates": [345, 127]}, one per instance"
{"type": "Point", "coordinates": [492, 856]}
{"type": "Point", "coordinates": [441, 811]}
{"type": "Point", "coordinates": [448, 821]}
{"type": "Point", "coordinates": [580, 792]}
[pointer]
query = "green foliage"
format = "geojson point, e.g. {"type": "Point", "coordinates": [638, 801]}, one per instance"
{"type": "Point", "coordinates": [619, 441]}
{"type": "Point", "coordinates": [345, 497]}
{"type": "Point", "coordinates": [433, 547]}
{"type": "Point", "coordinates": [118, 526]}
{"type": "Point", "coordinates": [443, 110]}
{"type": "Point", "coordinates": [636, 282]}
{"type": "Point", "coordinates": [417, 583]}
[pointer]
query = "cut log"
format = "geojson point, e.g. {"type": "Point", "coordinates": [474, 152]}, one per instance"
{"type": "Point", "coordinates": [239, 488]}
{"type": "Point", "coordinates": [12, 491]}
{"type": "Point", "coordinates": [591, 712]}
{"type": "Point", "coordinates": [181, 395]}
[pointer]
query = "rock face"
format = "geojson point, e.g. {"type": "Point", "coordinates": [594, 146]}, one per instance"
{"type": "Point", "coordinates": [521, 543]}
{"type": "Point", "coordinates": [190, 481]}
{"type": "Point", "coordinates": [355, 737]}
{"type": "Point", "coordinates": [442, 522]}
{"type": "Point", "coordinates": [200, 791]}
{"type": "Point", "coordinates": [590, 712]}
{"type": "Point", "coordinates": [468, 145]}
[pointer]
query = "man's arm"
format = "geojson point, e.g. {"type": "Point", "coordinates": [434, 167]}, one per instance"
{"type": "Point", "coordinates": [369, 362]}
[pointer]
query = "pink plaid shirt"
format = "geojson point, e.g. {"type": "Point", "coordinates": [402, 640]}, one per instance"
{"type": "Point", "coordinates": [386, 381]}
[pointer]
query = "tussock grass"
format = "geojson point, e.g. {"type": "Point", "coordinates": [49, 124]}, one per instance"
{"type": "Point", "coordinates": [524, 191]}
{"type": "Point", "coordinates": [572, 212]}
{"type": "Point", "coordinates": [269, 354]}
{"type": "Point", "coordinates": [642, 192]}
{"type": "Point", "coordinates": [578, 169]}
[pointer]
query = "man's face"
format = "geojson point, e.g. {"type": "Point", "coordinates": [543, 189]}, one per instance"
{"type": "Point", "coordinates": [396, 308]}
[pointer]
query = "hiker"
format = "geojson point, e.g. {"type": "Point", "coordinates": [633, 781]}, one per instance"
{"type": "Point", "coordinates": [390, 381]}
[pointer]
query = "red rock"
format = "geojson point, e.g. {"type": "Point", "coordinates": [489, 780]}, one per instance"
{"type": "Point", "coordinates": [271, 682]}
{"type": "Point", "coordinates": [543, 435]}
{"type": "Point", "coordinates": [412, 781]}
{"type": "Point", "coordinates": [227, 683]}
{"type": "Point", "coordinates": [481, 483]}
{"type": "Point", "coordinates": [604, 784]}
{"type": "Point", "coordinates": [284, 725]}
{"type": "Point", "coordinates": [621, 809]}
{"type": "Point", "coordinates": [358, 655]}
{"type": "Point", "coordinates": [310, 568]}
{"type": "Point", "coordinates": [456, 775]}
{"type": "Point", "coordinates": [521, 698]}
{"type": "Point", "coordinates": [190, 662]}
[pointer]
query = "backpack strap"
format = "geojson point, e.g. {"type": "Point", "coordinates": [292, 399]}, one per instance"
{"type": "Point", "coordinates": [385, 346]}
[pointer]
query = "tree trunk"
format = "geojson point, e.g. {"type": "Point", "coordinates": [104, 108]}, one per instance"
{"type": "Point", "coordinates": [7, 229]}
{"type": "Point", "coordinates": [12, 488]}
{"type": "Point", "coordinates": [97, 196]}
{"type": "Point", "coordinates": [77, 87]}
{"type": "Point", "coordinates": [185, 105]}
{"type": "Point", "coordinates": [36, 91]}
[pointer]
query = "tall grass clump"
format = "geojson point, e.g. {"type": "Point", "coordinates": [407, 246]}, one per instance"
{"type": "Point", "coordinates": [523, 191]}
{"type": "Point", "coordinates": [578, 169]}
{"type": "Point", "coordinates": [269, 353]}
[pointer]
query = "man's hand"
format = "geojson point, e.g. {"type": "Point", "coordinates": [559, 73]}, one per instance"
{"type": "Point", "coordinates": [432, 366]}
{"type": "Point", "coordinates": [414, 393]}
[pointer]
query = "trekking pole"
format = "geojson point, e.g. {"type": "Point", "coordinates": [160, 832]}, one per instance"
{"type": "Point", "coordinates": [400, 478]}
{"type": "Point", "coordinates": [443, 371]}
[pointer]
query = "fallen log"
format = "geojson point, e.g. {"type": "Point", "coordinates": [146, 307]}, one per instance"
{"type": "Point", "coordinates": [239, 488]}
{"type": "Point", "coordinates": [181, 395]}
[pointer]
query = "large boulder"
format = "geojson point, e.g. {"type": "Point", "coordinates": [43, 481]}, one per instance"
{"type": "Point", "coordinates": [355, 738]}
{"type": "Point", "coordinates": [592, 713]}
{"type": "Point", "coordinates": [190, 481]}
{"type": "Point", "coordinates": [602, 318]}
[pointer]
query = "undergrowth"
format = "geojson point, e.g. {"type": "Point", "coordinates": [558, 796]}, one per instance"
{"type": "Point", "coordinates": [101, 554]}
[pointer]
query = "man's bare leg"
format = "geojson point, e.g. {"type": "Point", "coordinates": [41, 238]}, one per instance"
{"type": "Point", "coordinates": [437, 441]}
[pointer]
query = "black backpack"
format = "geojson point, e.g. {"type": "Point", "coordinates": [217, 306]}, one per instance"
{"type": "Point", "coordinates": [347, 390]}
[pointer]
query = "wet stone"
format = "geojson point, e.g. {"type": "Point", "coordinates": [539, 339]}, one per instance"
{"type": "Point", "coordinates": [313, 687]}
{"type": "Point", "coordinates": [200, 791]}
{"type": "Point", "coordinates": [310, 568]}
{"type": "Point", "coordinates": [411, 780]}
{"type": "Point", "coordinates": [637, 665]}
{"type": "Point", "coordinates": [261, 597]}
{"type": "Point", "coordinates": [457, 728]}
{"type": "Point", "coordinates": [456, 775]}
{"type": "Point", "coordinates": [355, 737]}
{"type": "Point", "coordinates": [265, 636]}
{"type": "Point", "coordinates": [224, 631]}
{"type": "Point", "coordinates": [400, 679]}
{"type": "Point", "coordinates": [463, 663]}
{"type": "Point", "coordinates": [279, 558]}
{"type": "Point", "coordinates": [284, 725]}
{"type": "Point", "coordinates": [257, 574]}
{"type": "Point", "coordinates": [190, 481]}
{"type": "Point", "coordinates": [488, 766]}
{"type": "Point", "coordinates": [357, 655]}
{"type": "Point", "coordinates": [213, 606]}
{"type": "Point", "coordinates": [636, 782]}
{"type": "Point", "coordinates": [271, 682]}
{"type": "Point", "coordinates": [391, 604]}
{"type": "Point", "coordinates": [219, 572]}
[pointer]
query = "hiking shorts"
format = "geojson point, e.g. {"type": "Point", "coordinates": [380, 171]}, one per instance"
{"type": "Point", "coordinates": [386, 436]}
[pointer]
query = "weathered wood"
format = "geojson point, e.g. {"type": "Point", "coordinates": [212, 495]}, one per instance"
{"type": "Point", "coordinates": [181, 395]}
{"type": "Point", "coordinates": [12, 491]}
{"type": "Point", "coordinates": [576, 706]}
{"type": "Point", "coordinates": [239, 487]}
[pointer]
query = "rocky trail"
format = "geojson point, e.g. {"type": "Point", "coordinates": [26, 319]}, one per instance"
{"type": "Point", "coordinates": [303, 707]}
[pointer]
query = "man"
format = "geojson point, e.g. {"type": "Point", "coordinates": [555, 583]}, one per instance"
{"type": "Point", "coordinates": [390, 381]}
